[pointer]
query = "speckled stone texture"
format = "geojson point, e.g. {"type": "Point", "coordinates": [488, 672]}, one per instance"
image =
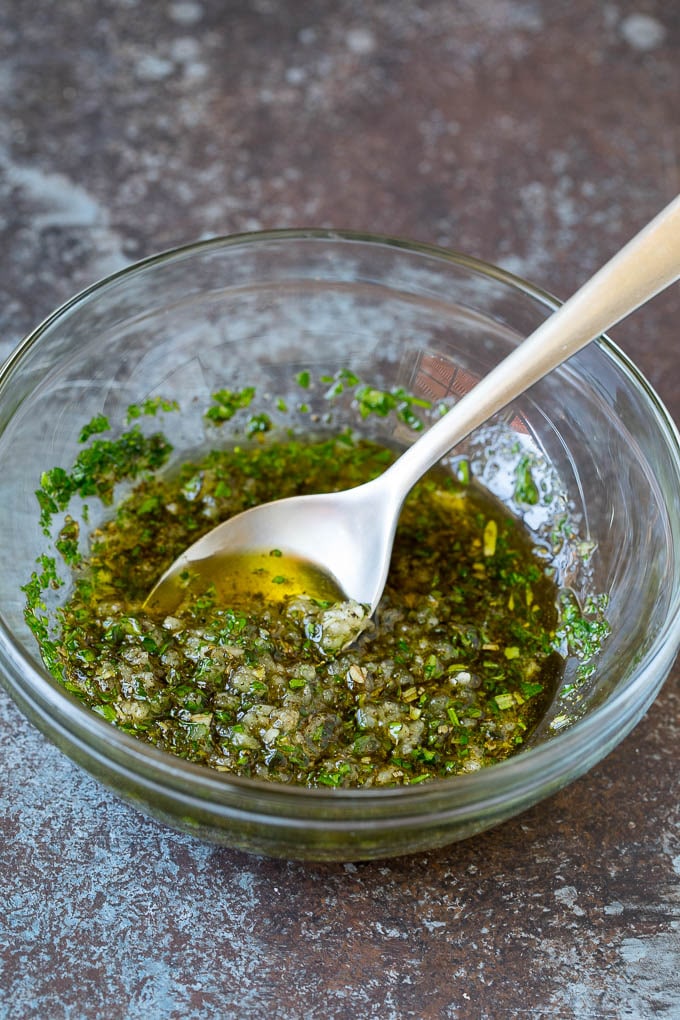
{"type": "Point", "coordinates": [539, 135]}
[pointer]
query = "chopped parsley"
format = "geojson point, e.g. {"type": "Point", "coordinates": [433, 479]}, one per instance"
{"type": "Point", "coordinates": [463, 656]}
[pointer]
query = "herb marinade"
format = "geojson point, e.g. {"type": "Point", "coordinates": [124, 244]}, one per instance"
{"type": "Point", "coordinates": [457, 667]}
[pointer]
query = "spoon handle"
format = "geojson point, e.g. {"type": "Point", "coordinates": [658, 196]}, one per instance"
{"type": "Point", "coordinates": [649, 263]}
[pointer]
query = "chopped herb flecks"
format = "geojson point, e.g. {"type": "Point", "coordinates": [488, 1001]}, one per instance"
{"type": "Point", "coordinates": [447, 680]}
{"type": "Point", "coordinates": [460, 662]}
{"type": "Point", "coordinates": [151, 407]}
{"type": "Point", "coordinates": [526, 490]}
{"type": "Point", "coordinates": [228, 402]}
{"type": "Point", "coordinates": [98, 468]}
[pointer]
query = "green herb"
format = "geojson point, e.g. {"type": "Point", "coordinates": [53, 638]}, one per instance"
{"type": "Point", "coordinates": [98, 424]}
{"type": "Point", "coordinates": [526, 490]}
{"type": "Point", "coordinates": [151, 407]}
{"type": "Point", "coordinates": [463, 472]}
{"type": "Point", "coordinates": [382, 402]}
{"type": "Point", "coordinates": [258, 423]}
{"type": "Point", "coordinates": [98, 468]}
{"type": "Point", "coordinates": [227, 402]}
{"type": "Point", "coordinates": [67, 542]}
{"type": "Point", "coordinates": [581, 631]}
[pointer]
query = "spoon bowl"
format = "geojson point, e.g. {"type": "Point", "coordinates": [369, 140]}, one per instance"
{"type": "Point", "coordinates": [318, 529]}
{"type": "Point", "coordinates": [347, 536]}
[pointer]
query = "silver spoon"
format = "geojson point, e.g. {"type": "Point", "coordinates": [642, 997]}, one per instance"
{"type": "Point", "coordinates": [348, 535]}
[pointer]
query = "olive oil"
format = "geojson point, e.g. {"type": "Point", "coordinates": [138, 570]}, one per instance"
{"type": "Point", "coordinates": [245, 581]}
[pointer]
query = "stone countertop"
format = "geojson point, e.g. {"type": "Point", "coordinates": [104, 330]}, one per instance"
{"type": "Point", "coordinates": [536, 134]}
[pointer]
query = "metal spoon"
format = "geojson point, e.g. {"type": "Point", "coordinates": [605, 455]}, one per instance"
{"type": "Point", "coordinates": [349, 535]}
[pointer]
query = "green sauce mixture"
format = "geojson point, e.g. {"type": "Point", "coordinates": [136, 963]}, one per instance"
{"type": "Point", "coordinates": [451, 675]}
{"type": "Point", "coordinates": [460, 662]}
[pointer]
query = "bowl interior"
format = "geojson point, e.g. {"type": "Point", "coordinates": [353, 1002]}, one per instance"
{"type": "Point", "coordinates": [237, 313]}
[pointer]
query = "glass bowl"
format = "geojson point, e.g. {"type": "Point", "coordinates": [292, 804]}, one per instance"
{"type": "Point", "coordinates": [260, 308]}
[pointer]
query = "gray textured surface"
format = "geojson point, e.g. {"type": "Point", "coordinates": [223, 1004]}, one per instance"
{"type": "Point", "coordinates": [538, 135]}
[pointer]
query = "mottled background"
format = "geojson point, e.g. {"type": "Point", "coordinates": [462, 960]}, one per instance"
{"type": "Point", "coordinates": [539, 135]}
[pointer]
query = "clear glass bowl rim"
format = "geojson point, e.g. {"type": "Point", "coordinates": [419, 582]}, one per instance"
{"type": "Point", "coordinates": [551, 764]}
